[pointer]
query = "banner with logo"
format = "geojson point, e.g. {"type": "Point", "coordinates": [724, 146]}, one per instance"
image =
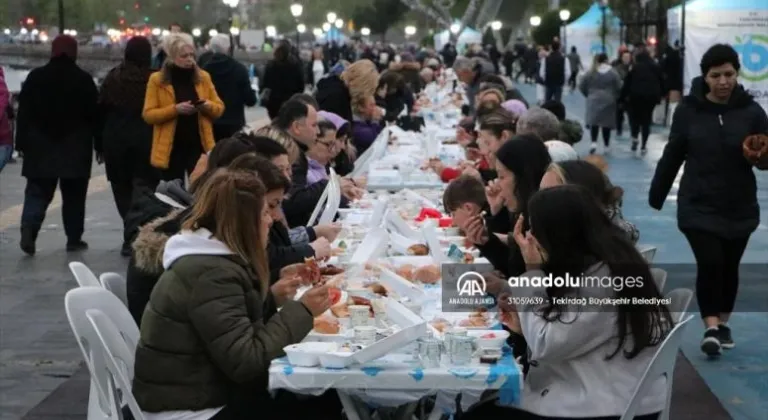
{"type": "Point", "coordinates": [745, 30]}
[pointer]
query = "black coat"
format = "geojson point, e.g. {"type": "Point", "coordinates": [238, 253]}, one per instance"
{"type": "Point", "coordinates": [718, 191]}
{"type": "Point", "coordinates": [58, 124]}
{"type": "Point", "coordinates": [645, 81]}
{"type": "Point", "coordinates": [282, 252]}
{"type": "Point", "coordinates": [333, 96]}
{"type": "Point", "coordinates": [283, 79]}
{"type": "Point", "coordinates": [233, 84]}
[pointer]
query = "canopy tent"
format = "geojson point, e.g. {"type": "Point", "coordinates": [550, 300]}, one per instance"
{"type": "Point", "coordinates": [740, 23]}
{"type": "Point", "coordinates": [467, 36]}
{"type": "Point", "coordinates": [584, 34]}
{"type": "Point", "coordinates": [334, 34]}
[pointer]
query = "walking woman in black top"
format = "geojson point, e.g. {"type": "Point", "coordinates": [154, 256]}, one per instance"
{"type": "Point", "coordinates": [717, 200]}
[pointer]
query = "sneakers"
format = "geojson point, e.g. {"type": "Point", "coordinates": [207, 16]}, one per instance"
{"type": "Point", "coordinates": [711, 345]}
{"type": "Point", "coordinates": [634, 145]}
{"type": "Point", "coordinates": [593, 148]}
{"type": "Point", "coordinates": [28, 239]}
{"type": "Point", "coordinates": [75, 246]}
{"type": "Point", "coordinates": [726, 341]}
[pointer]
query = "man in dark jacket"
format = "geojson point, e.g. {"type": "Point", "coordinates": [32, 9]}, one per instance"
{"type": "Point", "coordinates": [58, 129]}
{"type": "Point", "coordinates": [233, 84]}
{"type": "Point", "coordinates": [555, 70]}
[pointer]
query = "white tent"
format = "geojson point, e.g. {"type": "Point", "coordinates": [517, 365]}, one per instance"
{"type": "Point", "coordinates": [740, 23]}
{"type": "Point", "coordinates": [467, 36]}
{"type": "Point", "coordinates": [584, 34]}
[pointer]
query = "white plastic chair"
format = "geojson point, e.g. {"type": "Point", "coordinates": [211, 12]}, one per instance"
{"type": "Point", "coordinates": [320, 205]}
{"type": "Point", "coordinates": [115, 283]}
{"type": "Point", "coordinates": [119, 358]}
{"type": "Point", "coordinates": [680, 300]}
{"type": "Point", "coordinates": [101, 404]}
{"type": "Point", "coordinates": [660, 277]}
{"type": "Point", "coordinates": [379, 209]}
{"type": "Point", "coordinates": [662, 364]}
{"type": "Point", "coordinates": [334, 199]}
{"type": "Point", "coordinates": [648, 252]}
{"type": "Point", "coordinates": [84, 276]}
{"type": "Point", "coordinates": [435, 248]}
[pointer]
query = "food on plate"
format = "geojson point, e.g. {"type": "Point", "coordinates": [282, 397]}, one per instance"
{"type": "Point", "coordinates": [378, 288]}
{"type": "Point", "coordinates": [489, 335]}
{"type": "Point", "coordinates": [406, 271]}
{"type": "Point", "coordinates": [331, 270]}
{"type": "Point", "coordinates": [357, 300]}
{"type": "Point", "coordinates": [338, 251]}
{"type": "Point", "coordinates": [474, 322]}
{"type": "Point", "coordinates": [468, 258]}
{"type": "Point", "coordinates": [440, 324]}
{"type": "Point", "coordinates": [340, 310]}
{"type": "Point", "coordinates": [311, 272]}
{"type": "Point", "coordinates": [428, 274]}
{"type": "Point", "coordinates": [327, 325]}
{"type": "Point", "coordinates": [418, 249]}
{"type": "Point", "coordinates": [334, 294]}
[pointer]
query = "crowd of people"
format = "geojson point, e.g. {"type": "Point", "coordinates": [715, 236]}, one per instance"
{"type": "Point", "coordinates": [215, 212]}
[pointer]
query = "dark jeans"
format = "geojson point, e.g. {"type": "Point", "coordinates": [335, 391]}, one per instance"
{"type": "Point", "coordinates": [717, 270]}
{"type": "Point", "coordinates": [594, 131]}
{"type": "Point", "coordinates": [640, 112]}
{"type": "Point", "coordinates": [489, 410]}
{"type": "Point", "coordinates": [572, 80]}
{"type": "Point", "coordinates": [553, 93]}
{"type": "Point", "coordinates": [620, 110]}
{"type": "Point", "coordinates": [38, 195]}
{"type": "Point", "coordinates": [221, 131]}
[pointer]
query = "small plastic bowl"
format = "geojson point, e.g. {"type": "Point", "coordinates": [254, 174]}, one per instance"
{"type": "Point", "coordinates": [308, 354]}
{"type": "Point", "coordinates": [336, 360]}
{"type": "Point", "coordinates": [486, 342]}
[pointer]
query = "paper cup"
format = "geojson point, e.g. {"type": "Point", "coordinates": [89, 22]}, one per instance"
{"type": "Point", "coordinates": [365, 335]}
{"type": "Point", "coordinates": [359, 315]}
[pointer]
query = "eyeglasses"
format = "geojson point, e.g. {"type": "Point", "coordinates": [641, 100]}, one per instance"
{"type": "Point", "coordinates": [330, 145]}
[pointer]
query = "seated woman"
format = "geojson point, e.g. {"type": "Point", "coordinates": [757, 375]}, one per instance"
{"type": "Point", "coordinates": [156, 221]}
{"type": "Point", "coordinates": [344, 161]}
{"type": "Point", "coordinates": [393, 95]}
{"type": "Point", "coordinates": [212, 328]}
{"type": "Point", "coordinates": [589, 359]}
{"type": "Point", "coordinates": [520, 163]}
{"type": "Point", "coordinates": [365, 123]}
{"type": "Point", "coordinates": [589, 176]}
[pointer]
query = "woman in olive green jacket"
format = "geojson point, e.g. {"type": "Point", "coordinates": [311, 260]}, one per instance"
{"type": "Point", "coordinates": [211, 327]}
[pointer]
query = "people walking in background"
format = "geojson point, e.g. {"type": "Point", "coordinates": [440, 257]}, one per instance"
{"type": "Point", "coordinates": [601, 86]}
{"type": "Point", "coordinates": [555, 70]}
{"type": "Point", "coordinates": [642, 92]}
{"type": "Point", "coordinates": [181, 105]}
{"type": "Point", "coordinates": [317, 67]}
{"type": "Point", "coordinates": [622, 66]}
{"type": "Point", "coordinates": [717, 207]}
{"type": "Point", "coordinates": [574, 59]}
{"type": "Point", "coordinates": [6, 133]}
{"type": "Point", "coordinates": [58, 130]}
{"type": "Point", "coordinates": [336, 92]}
{"type": "Point", "coordinates": [127, 139]}
{"type": "Point", "coordinates": [283, 78]}
{"type": "Point", "coordinates": [233, 85]}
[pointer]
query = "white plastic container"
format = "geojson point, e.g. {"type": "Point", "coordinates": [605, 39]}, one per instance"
{"type": "Point", "coordinates": [308, 354]}
{"type": "Point", "coordinates": [336, 360]}
{"type": "Point", "coordinates": [495, 343]}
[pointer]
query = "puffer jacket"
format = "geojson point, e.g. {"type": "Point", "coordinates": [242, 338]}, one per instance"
{"type": "Point", "coordinates": [209, 332]}
{"type": "Point", "coordinates": [718, 189]}
{"type": "Point", "coordinates": [570, 132]}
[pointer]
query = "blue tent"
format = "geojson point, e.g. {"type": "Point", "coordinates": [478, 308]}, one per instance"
{"type": "Point", "coordinates": [584, 34]}
{"type": "Point", "coordinates": [593, 18]}
{"type": "Point", "coordinates": [697, 5]}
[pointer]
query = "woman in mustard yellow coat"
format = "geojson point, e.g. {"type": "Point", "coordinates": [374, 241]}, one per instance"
{"type": "Point", "coordinates": [181, 104]}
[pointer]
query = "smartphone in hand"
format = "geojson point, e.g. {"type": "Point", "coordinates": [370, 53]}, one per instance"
{"type": "Point", "coordinates": [198, 104]}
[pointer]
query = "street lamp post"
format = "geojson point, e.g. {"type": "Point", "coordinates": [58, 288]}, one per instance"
{"type": "Point", "coordinates": [296, 11]}
{"type": "Point", "coordinates": [61, 16]}
{"type": "Point", "coordinates": [565, 14]}
{"type": "Point", "coordinates": [330, 21]}
{"type": "Point", "coordinates": [603, 7]}
{"type": "Point", "coordinates": [535, 21]}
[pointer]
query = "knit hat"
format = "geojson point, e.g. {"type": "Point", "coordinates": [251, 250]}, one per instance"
{"type": "Point", "coordinates": [64, 45]}
{"type": "Point", "coordinates": [515, 106]}
{"type": "Point", "coordinates": [138, 51]}
{"type": "Point", "coordinates": [560, 151]}
{"type": "Point", "coordinates": [336, 120]}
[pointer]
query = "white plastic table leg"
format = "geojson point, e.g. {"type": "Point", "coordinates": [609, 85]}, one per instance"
{"type": "Point", "coordinates": [350, 408]}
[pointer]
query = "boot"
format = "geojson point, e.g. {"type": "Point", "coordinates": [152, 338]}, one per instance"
{"type": "Point", "coordinates": [28, 239]}
{"type": "Point", "coordinates": [76, 245]}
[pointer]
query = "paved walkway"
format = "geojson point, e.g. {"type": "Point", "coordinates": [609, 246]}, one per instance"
{"type": "Point", "coordinates": [740, 377]}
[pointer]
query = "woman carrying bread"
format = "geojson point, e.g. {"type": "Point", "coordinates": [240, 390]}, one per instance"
{"type": "Point", "coordinates": [717, 208]}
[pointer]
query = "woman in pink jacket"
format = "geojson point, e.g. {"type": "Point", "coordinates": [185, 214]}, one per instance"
{"type": "Point", "coordinates": [6, 135]}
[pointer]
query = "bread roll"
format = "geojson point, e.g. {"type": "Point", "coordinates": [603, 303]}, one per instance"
{"type": "Point", "coordinates": [406, 271]}
{"type": "Point", "coordinates": [418, 249]}
{"type": "Point", "coordinates": [428, 274]}
{"type": "Point", "coordinates": [326, 325]}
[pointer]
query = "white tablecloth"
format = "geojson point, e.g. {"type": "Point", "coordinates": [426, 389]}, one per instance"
{"type": "Point", "coordinates": [395, 379]}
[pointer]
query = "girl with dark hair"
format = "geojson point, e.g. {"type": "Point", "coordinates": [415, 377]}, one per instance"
{"type": "Point", "coordinates": [585, 353]}
{"type": "Point", "coordinates": [717, 208]}
{"type": "Point", "coordinates": [283, 77]}
{"type": "Point", "coordinates": [520, 163]}
{"type": "Point", "coordinates": [589, 176]}
{"type": "Point", "coordinates": [127, 139]}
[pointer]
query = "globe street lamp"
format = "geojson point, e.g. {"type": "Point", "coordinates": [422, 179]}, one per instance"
{"type": "Point", "coordinates": [365, 31]}
{"type": "Point", "coordinates": [565, 14]}
{"type": "Point", "coordinates": [496, 26]}
{"type": "Point", "coordinates": [196, 32]}
{"type": "Point", "coordinates": [330, 17]}
{"type": "Point", "coordinates": [455, 28]}
{"type": "Point", "coordinates": [535, 21]}
{"type": "Point", "coordinates": [297, 10]}
{"type": "Point", "coordinates": [212, 33]}
{"type": "Point", "coordinates": [410, 31]}
{"type": "Point", "coordinates": [317, 32]}
{"type": "Point", "coordinates": [339, 23]}
{"type": "Point", "coordinates": [271, 31]}
{"type": "Point", "coordinates": [326, 27]}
